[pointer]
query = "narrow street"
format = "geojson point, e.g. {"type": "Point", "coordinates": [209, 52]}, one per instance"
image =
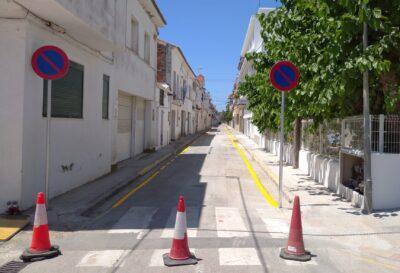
{"type": "Point", "coordinates": [232, 227]}
{"type": "Point", "coordinates": [199, 136]}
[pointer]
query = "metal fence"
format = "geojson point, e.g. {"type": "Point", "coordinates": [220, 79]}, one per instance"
{"type": "Point", "coordinates": [274, 136]}
{"type": "Point", "coordinates": [324, 139]}
{"type": "Point", "coordinates": [385, 134]}
{"type": "Point", "coordinates": [352, 134]}
{"type": "Point", "coordinates": [347, 134]}
{"type": "Point", "coordinates": [309, 136]}
{"type": "Point", "coordinates": [391, 135]}
{"type": "Point", "coordinates": [271, 135]}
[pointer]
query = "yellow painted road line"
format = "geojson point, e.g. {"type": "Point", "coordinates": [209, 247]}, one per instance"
{"type": "Point", "coordinates": [184, 150]}
{"type": "Point", "coordinates": [129, 194]}
{"type": "Point", "coordinates": [253, 174]}
{"type": "Point", "coordinates": [145, 182]}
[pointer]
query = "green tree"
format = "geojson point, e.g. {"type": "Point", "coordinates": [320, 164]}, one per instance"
{"type": "Point", "coordinates": [324, 39]}
{"type": "Point", "coordinates": [227, 115]}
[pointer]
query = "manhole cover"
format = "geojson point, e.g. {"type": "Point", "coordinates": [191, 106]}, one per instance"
{"type": "Point", "coordinates": [13, 267]}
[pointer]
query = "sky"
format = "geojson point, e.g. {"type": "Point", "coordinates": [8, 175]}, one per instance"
{"type": "Point", "coordinates": [210, 34]}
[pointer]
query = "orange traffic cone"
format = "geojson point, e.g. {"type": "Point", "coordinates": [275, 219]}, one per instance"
{"type": "Point", "coordinates": [40, 246]}
{"type": "Point", "coordinates": [295, 246]}
{"type": "Point", "coordinates": [179, 253]}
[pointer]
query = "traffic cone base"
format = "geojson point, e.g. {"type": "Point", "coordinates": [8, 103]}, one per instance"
{"type": "Point", "coordinates": [300, 258]}
{"type": "Point", "coordinates": [30, 255]}
{"type": "Point", "coordinates": [172, 262]}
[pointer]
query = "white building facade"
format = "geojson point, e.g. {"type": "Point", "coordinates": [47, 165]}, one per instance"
{"type": "Point", "coordinates": [175, 72]}
{"type": "Point", "coordinates": [102, 111]}
{"type": "Point", "coordinates": [253, 43]}
{"type": "Point", "coordinates": [205, 110]}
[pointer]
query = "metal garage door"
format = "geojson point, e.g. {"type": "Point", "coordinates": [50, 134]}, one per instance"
{"type": "Point", "coordinates": [124, 135]}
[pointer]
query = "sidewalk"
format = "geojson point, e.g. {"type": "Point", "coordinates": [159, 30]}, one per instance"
{"type": "Point", "coordinates": [326, 215]}
{"type": "Point", "coordinates": [71, 210]}
{"type": "Point", "coordinates": [295, 182]}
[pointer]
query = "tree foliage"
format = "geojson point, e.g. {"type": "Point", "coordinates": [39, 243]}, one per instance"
{"type": "Point", "coordinates": [324, 39]}
{"type": "Point", "coordinates": [227, 115]}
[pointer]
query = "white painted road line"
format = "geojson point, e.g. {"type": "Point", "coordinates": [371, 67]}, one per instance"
{"type": "Point", "coordinates": [238, 256]}
{"type": "Point", "coordinates": [277, 228]}
{"type": "Point", "coordinates": [169, 233]}
{"type": "Point", "coordinates": [230, 223]}
{"type": "Point", "coordinates": [105, 258]}
{"type": "Point", "coordinates": [135, 221]}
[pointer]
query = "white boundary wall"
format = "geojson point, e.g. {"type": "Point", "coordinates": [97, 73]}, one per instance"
{"type": "Point", "coordinates": [385, 181]}
{"type": "Point", "coordinates": [326, 171]}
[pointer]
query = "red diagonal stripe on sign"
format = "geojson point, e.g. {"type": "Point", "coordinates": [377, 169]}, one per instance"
{"type": "Point", "coordinates": [50, 63]}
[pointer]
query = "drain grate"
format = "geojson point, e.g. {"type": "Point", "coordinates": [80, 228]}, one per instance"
{"type": "Point", "coordinates": [13, 267]}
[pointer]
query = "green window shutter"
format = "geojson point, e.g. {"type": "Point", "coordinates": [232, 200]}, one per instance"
{"type": "Point", "coordinates": [67, 94]}
{"type": "Point", "coordinates": [106, 95]}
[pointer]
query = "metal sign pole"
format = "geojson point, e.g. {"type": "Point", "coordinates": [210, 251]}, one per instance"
{"type": "Point", "coordinates": [281, 144]}
{"type": "Point", "coordinates": [284, 76]}
{"type": "Point", "coordinates": [49, 85]}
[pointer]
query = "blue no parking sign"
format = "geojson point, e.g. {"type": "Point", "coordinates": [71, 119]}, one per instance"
{"type": "Point", "coordinates": [50, 62]}
{"type": "Point", "coordinates": [284, 76]}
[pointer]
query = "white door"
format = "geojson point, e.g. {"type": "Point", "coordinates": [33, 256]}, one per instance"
{"type": "Point", "coordinates": [139, 130]}
{"type": "Point", "coordinates": [124, 135]}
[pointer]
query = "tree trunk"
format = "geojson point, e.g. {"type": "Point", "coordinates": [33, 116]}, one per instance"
{"type": "Point", "coordinates": [296, 142]}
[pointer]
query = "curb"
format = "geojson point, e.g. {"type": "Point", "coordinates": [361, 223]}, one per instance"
{"type": "Point", "coordinates": [123, 184]}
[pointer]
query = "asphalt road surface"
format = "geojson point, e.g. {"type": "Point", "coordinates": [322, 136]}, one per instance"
{"type": "Point", "coordinates": [233, 222]}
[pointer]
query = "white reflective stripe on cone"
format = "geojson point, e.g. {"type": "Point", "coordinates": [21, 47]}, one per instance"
{"type": "Point", "coordinates": [40, 215]}
{"type": "Point", "coordinates": [292, 248]}
{"type": "Point", "coordinates": [180, 226]}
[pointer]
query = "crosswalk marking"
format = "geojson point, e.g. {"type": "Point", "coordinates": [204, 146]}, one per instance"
{"type": "Point", "coordinates": [230, 222]}
{"type": "Point", "coordinates": [238, 256]}
{"type": "Point", "coordinates": [105, 258]}
{"type": "Point", "coordinates": [169, 233]}
{"type": "Point", "coordinates": [135, 221]}
{"type": "Point", "coordinates": [278, 228]}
